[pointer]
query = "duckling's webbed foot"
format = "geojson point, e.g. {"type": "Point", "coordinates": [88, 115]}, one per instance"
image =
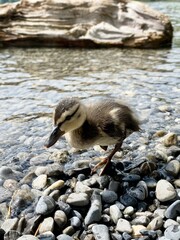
{"type": "Point", "coordinates": [106, 161]}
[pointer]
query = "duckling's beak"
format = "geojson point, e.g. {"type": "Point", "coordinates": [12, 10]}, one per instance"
{"type": "Point", "coordinates": [55, 135]}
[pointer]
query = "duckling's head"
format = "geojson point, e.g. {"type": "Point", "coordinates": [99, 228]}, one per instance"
{"type": "Point", "coordinates": [69, 115]}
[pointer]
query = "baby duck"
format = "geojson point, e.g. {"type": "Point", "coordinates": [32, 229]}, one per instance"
{"type": "Point", "coordinates": [103, 122]}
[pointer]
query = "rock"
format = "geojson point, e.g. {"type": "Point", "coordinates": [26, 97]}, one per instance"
{"type": "Point", "coordinates": [9, 224]}
{"type": "Point", "coordinates": [123, 226]}
{"type": "Point", "coordinates": [11, 235]}
{"type": "Point", "coordinates": [47, 225]}
{"type": "Point", "coordinates": [10, 184]}
{"type": "Point", "coordinates": [173, 210]}
{"type": "Point", "coordinates": [5, 194]}
{"type": "Point", "coordinates": [64, 237]}
{"type": "Point", "coordinates": [169, 139]}
{"type": "Point", "coordinates": [6, 172]}
{"type": "Point", "coordinates": [27, 237]}
{"type": "Point", "coordinates": [128, 200]}
{"type": "Point", "coordinates": [115, 213]}
{"type": "Point", "coordinates": [177, 183]}
{"type": "Point", "coordinates": [46, 236]}
{"type": "Point", "coordinates": [165, 191]}
{"type": "Point", "coordinates": [116, 236]}
{"type": "Point", "coordinates": [173, 167]}
{"type": "Point", "coordinates": [170, 222]}
{"type": "Point", "coordinates": [94, 213]}
{"type": "Point", "coordinates": [40, 182]}
{"type": "Point", "coordinates": [128, 211]}
{"type": "Point", "coordinates": [88, 24]}
{"type": "Point", "coordinates": [114, 186]}
{"type": "Point", "coordinates": [140, 220]}
{"type": "Point", "coordinates": [80, 187]}
{"type": "Point", "coordinates": [136, 230]}
{"type": "Point", "coordinates": [155, 224]}
{"type": "Point", "coordinates": [69, 230]}
{"type": "Point", "coordinates": [78, 199]}
{"type": "Point", "coordinates": [100, 232]}
{"type": "Point", "coordinates": [32, 224]}
{"type": "Point", "coordinates": [60, 218]}
{"type": "Point", "coordinates": [55, 186]}
{"type": "Point", "coordinates": [75, 222]}
{"type": "Point", "coordinates": [45, 205]}
{"type": "Point", "coordinates": [64, 207]}
{"type": "Point", "coordinates": [172, 232]}
{"type": "Point", "coordinates": [109, 196]}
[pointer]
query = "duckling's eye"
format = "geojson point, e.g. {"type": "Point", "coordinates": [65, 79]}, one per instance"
{"type": "Point", "coordinates": [68, 118]}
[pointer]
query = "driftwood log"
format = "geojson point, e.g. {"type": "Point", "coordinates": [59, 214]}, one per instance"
{"type": "Point", "coordinates": [83, 23]}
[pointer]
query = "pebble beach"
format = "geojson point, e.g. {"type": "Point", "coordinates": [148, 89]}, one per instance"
{"type": "Point", "coordinates": [137, 198]}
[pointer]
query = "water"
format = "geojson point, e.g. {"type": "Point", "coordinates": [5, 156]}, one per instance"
{"type": "Point", "coordinates": [32, 81]}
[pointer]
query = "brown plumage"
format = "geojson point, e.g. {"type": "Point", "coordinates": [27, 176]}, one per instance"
{"type": "Point", "coordinates": [103, 122]}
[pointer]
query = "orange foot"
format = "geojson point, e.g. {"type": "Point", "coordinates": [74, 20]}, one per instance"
{"type": "Point", "coordinates": [104, 162]}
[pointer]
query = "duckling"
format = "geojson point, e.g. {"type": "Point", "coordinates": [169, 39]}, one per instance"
{"type": "Point", "coordinates": [104, 122]}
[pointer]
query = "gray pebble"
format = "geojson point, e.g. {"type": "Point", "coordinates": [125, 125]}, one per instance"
{"type": "Point", "coordinates": [173, 167]}
{"type": "Point", "coordinates": [64, 207]}
{"type": "Point", "coordinates": [109, 196]}
{"type": "Point", "coordinates": [173, 210]}
{"type": "Point", "coordinates": [64, 237]}
{"type": "Point", "coordinates": [94, 213]}
{"type": "Point", "coordinates": [45, 205]}
{"type": "Point", "coordinates": [5, 194]}
{"type": "Point", "coordinates": [78, 199]}
{"type": "Point", "coordinates": [27, 237]}
{"type": "Point", "coordinates": [75, 222]}
{"type": "Point", "coordinates": [165, 191]}
{"type": "Point", "coordinates": [100, 232]}
{"type": "Point", "coordinates": [9, 224]}
{"type": "Point", "coordinates": [60, 218]}
{"type": "Point", "coordinates": [115, 213]}
{"type": "Point", "coordinates": [116, 236]}
{"type": "Point", "coordinates": [172, 232]}
{"type": "Point", "coordinates": [46, 236]}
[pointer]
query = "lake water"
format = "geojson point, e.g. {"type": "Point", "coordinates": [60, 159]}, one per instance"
{"type": "Point", "coordinates": [32, 81]}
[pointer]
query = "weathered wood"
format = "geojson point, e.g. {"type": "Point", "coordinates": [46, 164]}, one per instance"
{"type": "Point", "coordinates": [83, 23]}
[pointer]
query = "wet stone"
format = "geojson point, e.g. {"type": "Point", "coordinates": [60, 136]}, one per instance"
{"type": "Point", "coordinates": [100, 232]}
{"type": "Point", "coordinates": [75, 222]}
{"type": "Point", "coordinates": [45, 205]}
{"type": "Point", "coordinates": [138, 192]}
{"type": "Point", "coordinates": [165, 191]}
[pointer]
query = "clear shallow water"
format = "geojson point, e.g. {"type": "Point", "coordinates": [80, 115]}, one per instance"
{"type": "Point", "coordinates": [32, 81]}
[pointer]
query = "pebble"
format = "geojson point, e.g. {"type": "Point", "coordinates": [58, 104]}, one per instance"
{"type": "Point", "coordinates": [9, 224]}
{"type": "Point", "coordinates": [78, 199]}
{"type": "Point", "coordinates": [109, 196]}
{"type": "Point", "coordinates": [54, 186]}
{"type": "Point", "coordinates": [155, 224]}
{"type": "Point", "coordinates": [115, 213]}
{"type": "Point", "coordinates": [60, 218]}
{"type": "Point", "coordinates": [10, 184]}
{"type": "Point", "coordinates": [94, 213]}
{"type": "Point", "coordinates": [128, 211]}
{"type": "Point", "coordinates": [75, 222]}
{"type": "Point", "coordinates": [170, 222]}
{"type": "Point", "coordinates": [82, 188]}
{"type": "Point", "coordinates": [128, 200]}
{"type": "Point", "coordinates": [169, 139]}
{"type": "Point", "coordinates": [64, 237]}
{"type": "Point", "coordinates": [136, 230]}
{"type": "Point", "coordinates": [45, 205]}
{"type": "Point", "coordinates": [100, 232]}
{"type": "Point", "coordinates": [46, 236]}
{"type": "Point", "coordinates": [173, 167]}
{"type": "Point", "coordinates": [173, 210]}
{"type": "Point", "coordinates": [40, 182]}
{"type": "Point", "coordinates": [5, 194]}
{"type": "Point", "coordinates": [27, 237]}
{"type": "Point", "coordinates": [172, 232]}
{"type": "Point", "coordinates": [47, 225]}
{"type": "Point", "coordinates": [165, 191]}
{"type": "Point", "coordinates": [123, 226]}
{"type": "Point", "coordinates": [140, 220]}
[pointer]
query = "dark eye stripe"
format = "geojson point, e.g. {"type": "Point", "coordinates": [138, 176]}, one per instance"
{"type": "Point", "coordinates": [69, 116]}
